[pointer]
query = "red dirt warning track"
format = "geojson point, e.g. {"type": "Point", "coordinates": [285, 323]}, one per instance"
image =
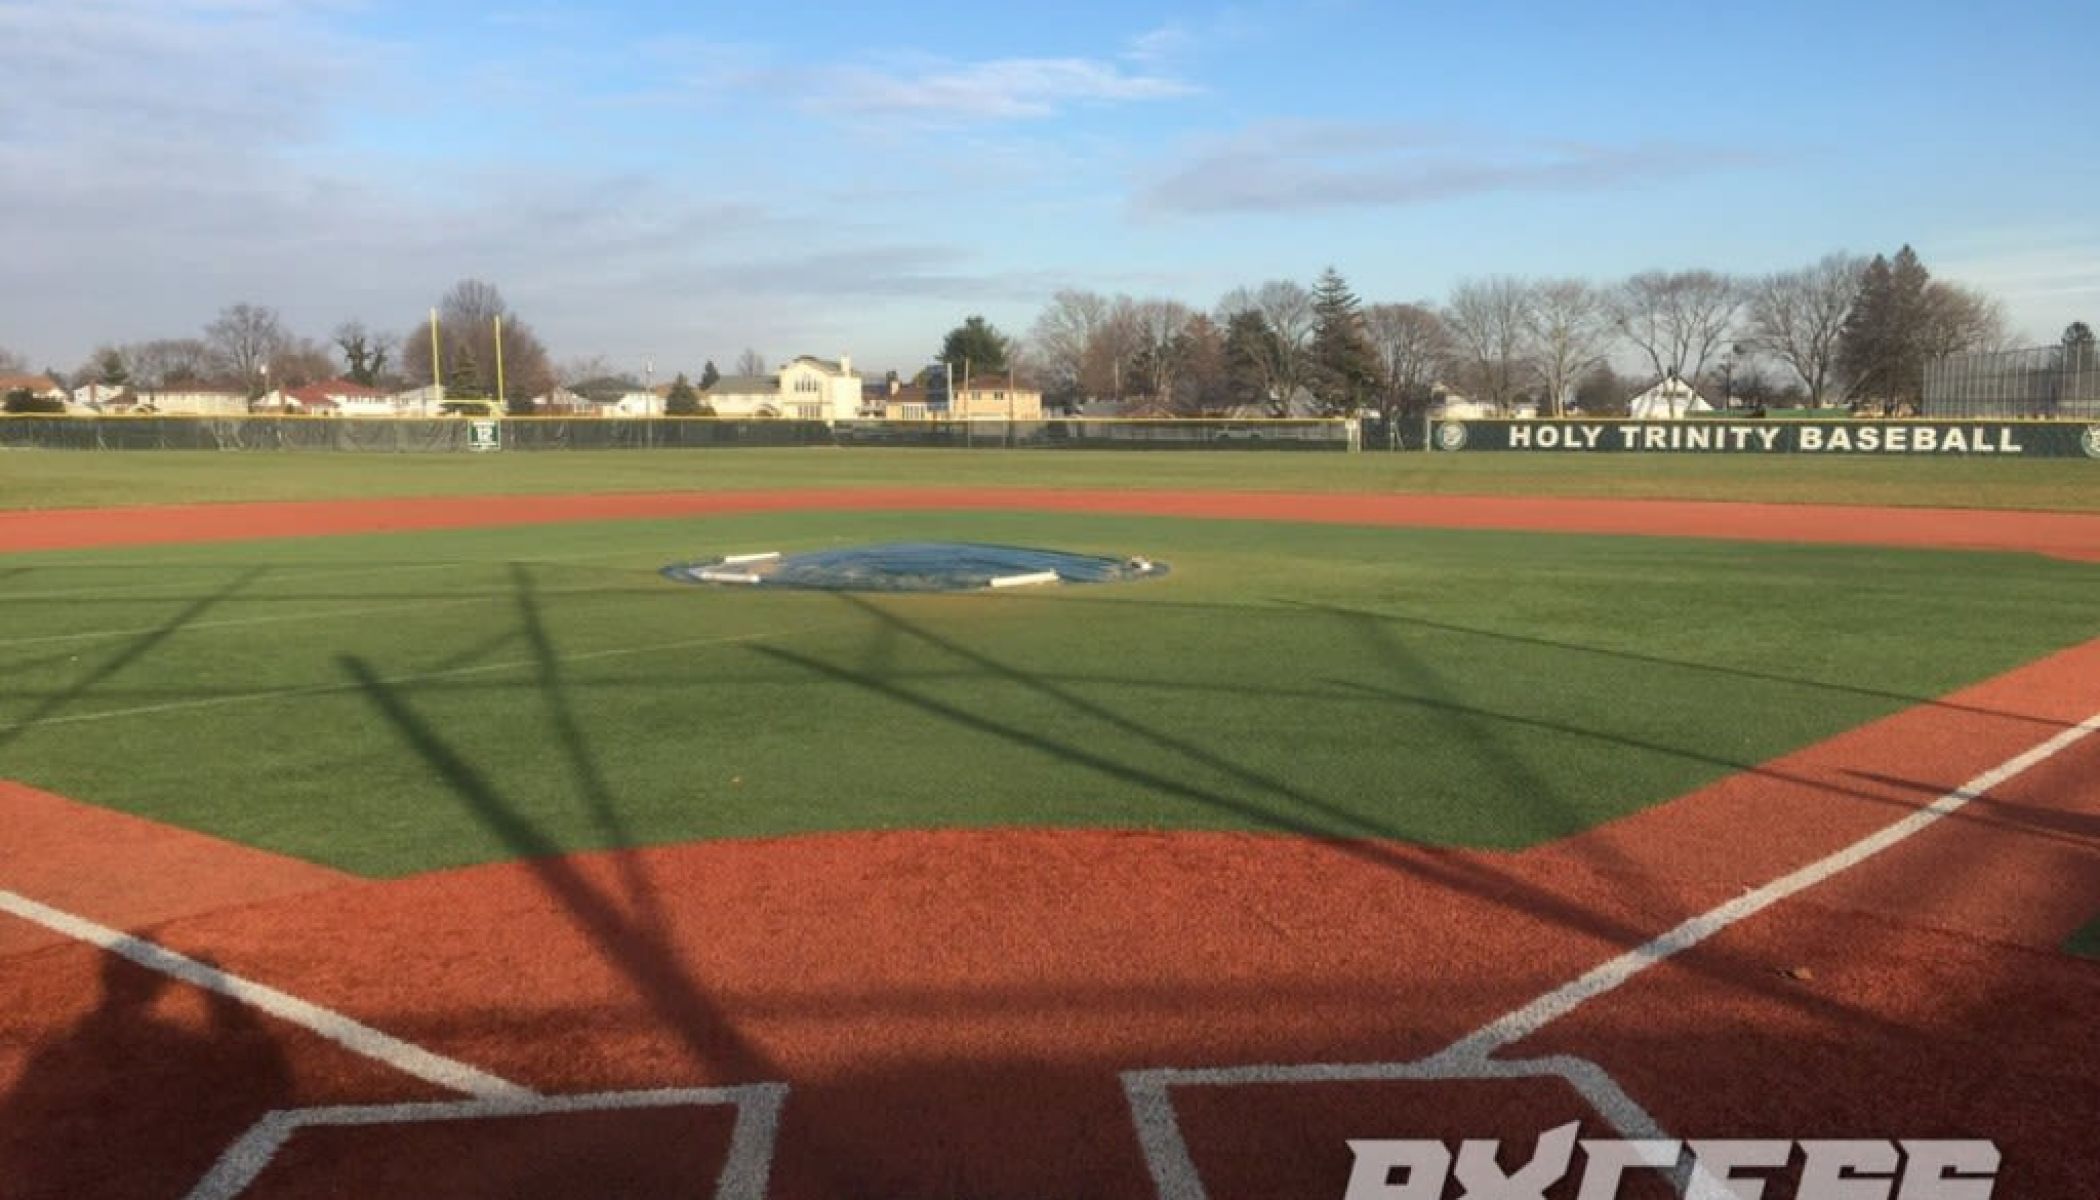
{"type": "Point", "coordinates": [951, 1011]}
{"type": "Point", "coordinates": [2064, 535]}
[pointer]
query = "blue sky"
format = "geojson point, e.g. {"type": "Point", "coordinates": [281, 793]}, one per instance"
{"type": "Point", "coordinates": [672, 182]}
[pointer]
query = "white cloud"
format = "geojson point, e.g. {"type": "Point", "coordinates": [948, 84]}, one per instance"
{"type": "Point", "coordinates": [164, 158]}
{"type": "Point", "coordinates": [1000, 89]}
{"type": "Point", "coordinates": [1297, 166]}
{"type": "Point", "coordinates": [2047, 276]}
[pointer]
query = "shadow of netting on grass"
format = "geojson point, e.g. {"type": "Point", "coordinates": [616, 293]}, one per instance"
{"type": "Point", "coordinates": [130, 653]}
{"type": "Point", "coordinates": [1314, 818]}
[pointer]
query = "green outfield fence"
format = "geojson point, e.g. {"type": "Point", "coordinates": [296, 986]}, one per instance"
{"type": "Point", "coordinates": [1720, 434]}
{"type": "Point", "coordinates": [447, 434]}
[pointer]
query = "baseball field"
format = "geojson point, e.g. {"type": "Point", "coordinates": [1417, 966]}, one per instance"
{"type": "Point", "coordinates": [390, 826]}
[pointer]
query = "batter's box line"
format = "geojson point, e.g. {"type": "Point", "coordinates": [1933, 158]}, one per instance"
{"type": "Point", "coordinates": [745, 1174]}
{"type": "Point", "coordinates": [1174, 1170]}
{"type": "Point", "coordinates": [1473, 1056]}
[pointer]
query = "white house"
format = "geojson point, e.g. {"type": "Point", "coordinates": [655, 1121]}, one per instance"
{"type": "Point", "coordinates": [342, 397]}
{"type": "Point", "coordinates": [816, 389]}
{"type": "Point", "coordinates": [99, 397]}
{"type": "Point", "coordinates": [807, 389]}
{"type": "Point", "coordinates": [425, 401]}
{"type": "Point", "coordinates": [1454, 407]}
{"type": "Point", "coordinates": [1670, 400]}
{"type": "Point", "coordinates": [744, 396]}
{"type": "Point", "coordinates": [636, 404]}
{"type": "Point", "coordinates": [39, 386]}
{"type": "Point", "coordinates": [195, 402]}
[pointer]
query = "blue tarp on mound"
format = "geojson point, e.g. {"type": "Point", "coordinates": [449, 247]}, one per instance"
{"type": "Point", "coordinates": [915, 567]}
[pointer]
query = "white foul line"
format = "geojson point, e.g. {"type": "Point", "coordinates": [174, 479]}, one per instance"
{"type": "Point", "coordinates": [1174, 1169]}
{"type": "Point", "coordinates": [354, 1036]}
{"type": "Point", "coordinates": [745, 1174]}
{"type": "Point", "coordinates": [1565, 999]}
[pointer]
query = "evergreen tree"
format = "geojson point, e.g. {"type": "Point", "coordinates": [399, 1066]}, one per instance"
{"type": "Point", "coordinates": [2078, 353]}
{"type": "Point", "coordinates": [1346, 368]}
{"type": "Point", "coordinates": [1250, 347]}
{"type": "Point", "coordinates": [683, 401]}
{"type": "Point", "coordinates": [1863, 351]}
{"type": "Point", "coordinates": [110, 370]}
{"type": "Point", "coordinates": [977, 345]}
{"type": "Point", "coordinates": [709, 377]}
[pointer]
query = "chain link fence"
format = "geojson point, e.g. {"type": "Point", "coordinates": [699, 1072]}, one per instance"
{"type": "Point", "coordinates": [2041, 382]}
{"type": "Point", "coordinates": [446, 434]}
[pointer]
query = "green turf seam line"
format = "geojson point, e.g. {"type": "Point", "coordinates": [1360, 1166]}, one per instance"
{"type": "Point", "coordinates": [324, 689]}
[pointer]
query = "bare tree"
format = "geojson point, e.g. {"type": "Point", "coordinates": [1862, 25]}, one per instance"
{"type": "Point", "coordinates": [1111, 362]}
{"type": "Point", "coordinates": [1489, 320]}
{"type": "Point", "coordinates": [168, 363]}
{"type": "Point", "coordinates": [10, 361]}
{"type": "Point", "coordinates": [583, 369]}
{"type": "Point", "coordinates": [470, 358]}
{"type": "Point", "coordinates": [242, 341]}
{"type": "Point", "coordinates": [1202, 389]}
{"type": "Point", "coordinates": [1798, 318]}
{"type": "Point", "coordinates": [1571, 332]}
{"type": "Point", "coordinates": [299, 362]}
{"type": "Point", "coordinates": [1288, 310]}
{"type": "Point", "coordinates": [1680, 320]}
{"type": "Point", "coordinates": [364, 352]}
{"type": "Point", "coordinates": [1160, 325]}
{"type": "Point", "coordinates": [1064, 336]}
{"type": "Point", "coordinates": [750, 362]}
{"type": "Point", "coordinates": [1415, 347]}
{"type": "Point", "coordinates": [1958, 320]}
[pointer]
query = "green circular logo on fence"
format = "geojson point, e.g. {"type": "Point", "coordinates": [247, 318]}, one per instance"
{"type": "Point", "coordinates": [2091, 441]}
{"type": "Point", "coordinates": [1451, 435]}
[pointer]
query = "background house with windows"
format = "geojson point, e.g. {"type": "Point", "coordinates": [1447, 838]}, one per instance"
{"type": "Point", "coordinates": [807, 389]}
{"type": "Point", "coordinates": [42, 387]}
{"type": "Point", "coordinates": [194, 401]}
{"type": "Point", "coordinates": [996, 398]}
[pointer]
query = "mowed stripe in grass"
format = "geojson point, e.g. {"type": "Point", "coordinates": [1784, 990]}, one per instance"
{"type": "Point", "coordinates": [62, 479]}
{"type": "Point", "coordinates": [390, 704]}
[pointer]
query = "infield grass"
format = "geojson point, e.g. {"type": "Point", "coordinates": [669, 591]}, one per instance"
{"type": "Point", "coordinates": [61, 479]}
{"type": "Point", "coordinates": [394, 703]}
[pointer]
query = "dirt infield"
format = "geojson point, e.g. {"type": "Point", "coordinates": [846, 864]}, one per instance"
{"type": "Point", "coordinates": [2063, 535]}
{"type": "Point", "coordinates": [1854, 940]}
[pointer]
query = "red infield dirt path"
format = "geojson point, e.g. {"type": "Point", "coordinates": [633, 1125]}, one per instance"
{"type": "Point", "coordinates": [2063, 535]}
{"type": "Point", "coordinates": [953, 1012]}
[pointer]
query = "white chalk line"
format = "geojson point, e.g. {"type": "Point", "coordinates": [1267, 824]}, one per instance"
{"type": "Point", "coordinates": [288, 572]}
{"type": "Point", "coordinates": [239, 622]}
{"type": "Point", "coordinates": [1174, 1170]}
{"type": "Point", "coordinates": [290, 575]}
{"type": "Point", "coordinates": [324, 689]}
{"type": "Point", "coordinates": [352, 1035]}
{"type": "Point", "coordinates": [745, 1175]}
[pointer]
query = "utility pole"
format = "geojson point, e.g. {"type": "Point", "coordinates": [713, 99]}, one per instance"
{"type": "Point", "coordinates": [435, 375]}
{"type": "Point", "coordinates": [501, 400]}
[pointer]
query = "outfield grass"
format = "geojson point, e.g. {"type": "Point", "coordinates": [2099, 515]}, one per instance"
{"type": "Point", "coordinates": [59, 479]}
{"type": "Point", "coordinates": [395, 703]}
